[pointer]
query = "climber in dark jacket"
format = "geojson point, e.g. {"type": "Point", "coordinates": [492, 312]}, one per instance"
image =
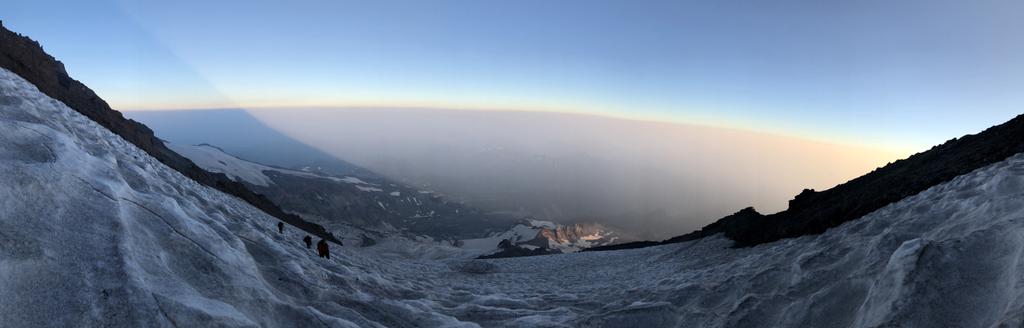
{"type": "Point", "coordinates": [280, 227]}
{"type": "Point", "coordinates": [308, 241]}
{"type": "Point", "coordinates": [322, 250]}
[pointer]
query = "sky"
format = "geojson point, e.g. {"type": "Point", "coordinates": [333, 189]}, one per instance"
{"type": "Point", "coordinates": [900, 76]}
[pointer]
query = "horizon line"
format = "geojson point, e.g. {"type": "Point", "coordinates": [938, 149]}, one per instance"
{"type": "Point", "coordinates": [898, 151]}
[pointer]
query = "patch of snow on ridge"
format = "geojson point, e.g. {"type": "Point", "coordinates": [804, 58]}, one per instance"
{"type": "Point", "coordinates": [94, 232]}
{"type": "Point", "coordinates": [352, 180]}
{"type": "Point", "coordinates": [518, 233]}
{"type": "Point", "coordinates": [542, 224]}
{"type": "Point", "coordinates": [369, 189]}
{"type": "Point", "coordinates": [215, 160]}
{"type": "Point", "coordinates": [419, 215]}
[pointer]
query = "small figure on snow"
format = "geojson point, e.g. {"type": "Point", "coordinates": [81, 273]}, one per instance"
{"type": "Point", "coordinates": [322, 249]}
{"type": "Point", "coordinates": [308, 240]}
{"type": "Point", "coordinates": [280, 227]}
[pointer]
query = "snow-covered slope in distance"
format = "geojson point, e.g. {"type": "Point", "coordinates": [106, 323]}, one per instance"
{"type": "Point", "coordinates": [489, 244]}
{"type": "Point", "coordinates": [341, 202]}
{"type": "Point", "coordinates": [402, 203]}
{"type": "Point", "coordinates": [216, 160]}
{"type": "Point", "coordinates": [93, 232]}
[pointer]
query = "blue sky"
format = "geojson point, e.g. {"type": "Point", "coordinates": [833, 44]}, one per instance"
{"type": "Point", "coordinates": [898, 75]}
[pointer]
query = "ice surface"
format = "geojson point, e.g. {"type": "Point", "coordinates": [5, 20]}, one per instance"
{"type": "Point", "coordinates": [94, 232]}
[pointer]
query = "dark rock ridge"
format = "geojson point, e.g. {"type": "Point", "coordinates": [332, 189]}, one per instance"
{"type": "Point", "coordinates": [812, 212]}
{"type": "Point", "coordinates": [26, 57]}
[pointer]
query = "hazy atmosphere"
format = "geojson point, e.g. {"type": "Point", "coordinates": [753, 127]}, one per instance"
{"type": "Point", "coordinates": [655, 179]}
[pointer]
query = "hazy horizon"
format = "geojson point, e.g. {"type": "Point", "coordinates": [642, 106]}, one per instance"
{"type": "Point", "coordinates": [658, 179]}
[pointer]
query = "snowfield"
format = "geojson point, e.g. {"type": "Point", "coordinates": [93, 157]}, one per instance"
{"type": "Point", "coordinates": [94, 232]}
{"type": "Point", "coordinates": [214, 159]}
{"type": "Point", "coordinates": [487, 245]}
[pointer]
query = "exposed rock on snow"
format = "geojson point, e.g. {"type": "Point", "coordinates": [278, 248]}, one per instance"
{"type": "Point", "coordinates": [539, 237]}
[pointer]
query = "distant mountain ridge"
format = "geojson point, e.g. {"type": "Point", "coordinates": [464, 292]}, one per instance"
{"type": "Point", "coordinates": [239, 133]}
{"type": "Point", "coordinates": [343, 201]}
{"type": "Point", "coordinates": [813, 212]}
{"type": "Point", "coordinates": [539, 237]}
{"type": "Point", "coordinates": [576, 235]}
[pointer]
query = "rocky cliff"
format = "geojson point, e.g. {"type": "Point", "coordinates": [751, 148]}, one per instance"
{"type": "Point", "coordinates": [575, 233]}
{"type": "Point", "coordinates": [813, 212]}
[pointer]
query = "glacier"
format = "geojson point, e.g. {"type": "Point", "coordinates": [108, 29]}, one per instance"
{"type": "Point", "coordinates": [94, 232]}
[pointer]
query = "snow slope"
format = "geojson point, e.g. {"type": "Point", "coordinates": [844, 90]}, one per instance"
{"type": "Point", "coordinates": [215, 160]}
{"type": "Point", "coordinates": [489, 244]}
{"type": "Point", "coordinates": [93, 232]}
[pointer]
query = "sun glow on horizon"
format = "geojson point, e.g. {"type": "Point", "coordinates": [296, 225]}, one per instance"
{"type": "Point", "coordinates": [711, 121]}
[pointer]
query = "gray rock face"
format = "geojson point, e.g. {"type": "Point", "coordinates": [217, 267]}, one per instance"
{"type": "Point", "coordinates": [572, 233]}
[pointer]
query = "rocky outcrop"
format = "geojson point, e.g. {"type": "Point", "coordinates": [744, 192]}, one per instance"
{"type": "Point", "coordinates": [26, 58]}
{"type": "Point", "coordinates": [812, 212]}
{"type": "Point", "coordinates": [573, 233]}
